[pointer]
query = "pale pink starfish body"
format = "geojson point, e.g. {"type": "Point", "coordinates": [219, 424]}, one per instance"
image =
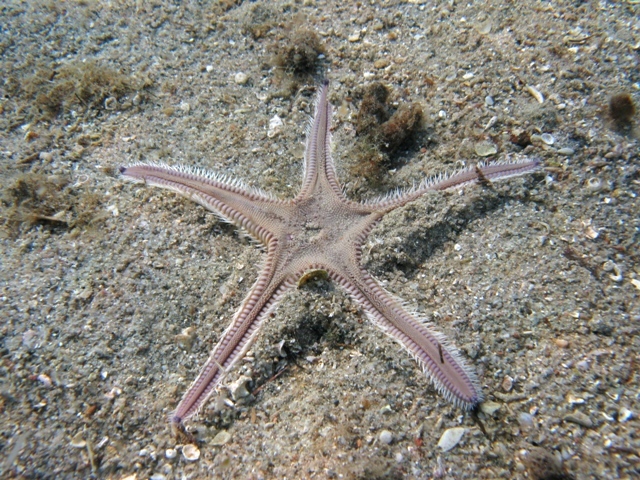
{"type": "Point", "coordinates": [319, 229]}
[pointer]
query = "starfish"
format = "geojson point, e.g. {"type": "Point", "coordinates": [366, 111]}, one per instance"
{"type": "Point", "coordinates": [320, 229]}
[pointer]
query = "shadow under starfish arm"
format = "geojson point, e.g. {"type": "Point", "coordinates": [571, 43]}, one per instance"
{"type": "Point", "coordinates": [263, 298]}
{"type": "Point", "coordinates": [256, 212]}
{"type": "Point", "coordinates": [480, 173]}
{"type": "Point", "coordinates": [439, 360]}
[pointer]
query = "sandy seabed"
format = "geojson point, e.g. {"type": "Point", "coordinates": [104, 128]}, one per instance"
{"type": "Point", "coordinates": [113, 294]}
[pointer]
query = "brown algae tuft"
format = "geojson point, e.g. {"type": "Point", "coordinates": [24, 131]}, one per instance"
{"type": "Point", "coordinates": [35, 198]}
{"type": "Point", "coordinates": [621, 108]}
{"type": "Point", "coordinates": [381, 131]}
{"type": "Point", "coordinates": [89, 84]}
{"type": "Point", "coordinates": [298, 53]}
{"type": "Point", "coordinates": [297, 56]}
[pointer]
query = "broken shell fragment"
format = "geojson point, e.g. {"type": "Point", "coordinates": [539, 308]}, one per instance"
{"type": "Point", "coordinates": [191, 452]}
{"type": "Point", "coordinates": [484, 28]}
{"type": "Point", "coordinates": [450, 438]}
{"type": "Point", "coordinates": [186, 337]}
{"type": "Point", "coordinates": [535, 93]}
{"type": "Point", "coordinates": [221, 438]}
{"type": "Point", "coordinates": [594, 184]}
{"type": "Point", "coordinates": [547, 138]}
{"type": "Point", "coordinates": [614, 270]}
{"type": "Point", "coordinates": [78, 441]}
{"type": "Point", "coordinates": [170, 453]}
{"type": "Point", "coordinates": [241, 78]}
{"type": "Point", "coordinates": [573, 400]}
{"type": "Point", "coordinates": [313, 275]}
{"type": "Point", "coordinates": [238, 389]}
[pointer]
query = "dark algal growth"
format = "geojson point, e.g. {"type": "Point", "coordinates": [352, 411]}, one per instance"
{"type": "Point", "coordinates": [381, 131]}
{"type": "Point", "coordinates": [621, 108]}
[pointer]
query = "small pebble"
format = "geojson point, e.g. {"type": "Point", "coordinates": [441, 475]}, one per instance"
{"type": "Point", "coordinates": [209, 68]}
{"type": "Point", "coordinates": [488, 101]}
{"type": "Point", "coordinates": [579, 418]}
{"type": "Point", "coordinates": [45, 156]}
{"type": "Point", "coordinates": [624, 415]}
{"type": "Point", "coordinates": [566, 151]}
{"type": "Point", "coordinates": [30, 338]}
{"type": "Point", "coordinates": [542, 465]}
{"type": "Point", "coordinates": [354, 38]}
{"type": "Point", "coordinates": [190, 452]}
{"type": "Point", "coordinates": [450, 438]}
{"type": "Point", "coordinates": [170, 453]}
{"type": "Point", "coordinates": [573, 400]}
{"type": "Point", "coordinates": [275, 126]}
{"type": "Point", "coordinates": [221, 438]}
{"type": "Point", "coordinates": [382, 63]}
{"type": "Point", "coordinates": [561, 342]}
{"type": "Point", "coordinates": [600, 326]}
{"type": "Point", "coordinates": [583, 365]}
{"type": "Point", "coordinates": [507, 383]}
{"type": "Point", "coordinates": [45, 380]}
{"type": "Point", "coordinates": [386, 437]}
{"type": "Point", "coordinates": [489, 407]}
{"type": "Point", "coordinates": [591, 232]}
{"type": "Point", "coordinates": [608, 266]}
{"type": "Point", "coordinates": [241, 78]}
{"type": "Point", "coordinates": [484, 28]}
{"type": "Point", "coordinates": [525, 420]}
{"type": "Point", "coordinates": [484, 149]}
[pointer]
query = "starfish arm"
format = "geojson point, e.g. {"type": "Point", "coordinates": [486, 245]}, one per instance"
{"type": "Point", "coordinates": [481, 173]}
{"type": "Point", "coordinates": [249, 209]}
{"type": "Point", "coordinates": [259, 303]}
{"type": "Point", "coordinates": [319, 170]}
{"type": "Point", "coordinates": [439, 360]}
